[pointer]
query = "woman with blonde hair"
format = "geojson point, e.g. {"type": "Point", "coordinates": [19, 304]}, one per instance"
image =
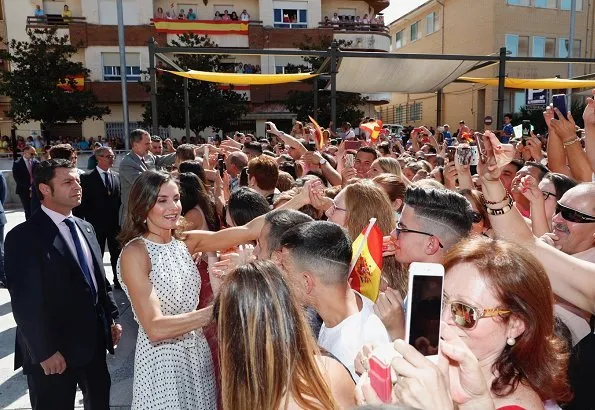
{"type": "Point", "coordinates": [269, 359]}
{"type": "Point", "coordinates": [383, 165]}
{"type": "Point", "coordinates": [395, 187]}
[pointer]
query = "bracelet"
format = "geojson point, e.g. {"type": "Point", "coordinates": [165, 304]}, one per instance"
{"type": "Point", "coordinates": [569, 143]}
{"type": "Point", "coordinates": [506, 196]}
{"type": "Point", "coordinates": [501, 211]}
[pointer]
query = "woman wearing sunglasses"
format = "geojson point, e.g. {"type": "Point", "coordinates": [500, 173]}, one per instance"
{"type": "Point", "coordinates": [543, 198]}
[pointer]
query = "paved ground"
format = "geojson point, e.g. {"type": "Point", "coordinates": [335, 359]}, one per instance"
{"type": "Point", "coordinates": [13, 384]}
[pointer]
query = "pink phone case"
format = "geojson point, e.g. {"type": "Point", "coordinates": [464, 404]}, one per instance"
{"type": "Point", "coordinates": [380, 379]}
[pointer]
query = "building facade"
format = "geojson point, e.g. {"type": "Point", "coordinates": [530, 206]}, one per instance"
{"type": "Point", "coordinates": [530, 28]}
{"type": "Point", "coordinates": [273, 24]}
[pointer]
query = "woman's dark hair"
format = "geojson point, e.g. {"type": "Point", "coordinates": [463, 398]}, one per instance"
{"type": "Point", "coordinates": [245, 204]}
{"type": "Point", "coordinates": [244, 177]}
{"type": "Point", "coordinates": [192, 193]}
{"type": "Point", "coordinates": [143, 196]}
{"type": "Point", "coordinates": [561, 182]}
{"type": "Point", "coordinates": [288, 167]}
{"type": "Point", "coordinates": [195, 167]}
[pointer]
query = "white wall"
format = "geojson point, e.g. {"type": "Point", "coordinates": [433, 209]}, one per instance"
{"type": "Point", "coordinates": [94, 63]}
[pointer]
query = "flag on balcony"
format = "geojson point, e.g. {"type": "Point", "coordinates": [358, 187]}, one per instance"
{"type": "Point", "coordinates": [366, 262]}
{"type": "Point", "coordinates": [201, 26]}
{"type": "Point", "coordinates": [79, 83]}
{"type": "Point", "coordinates": [373, 128]}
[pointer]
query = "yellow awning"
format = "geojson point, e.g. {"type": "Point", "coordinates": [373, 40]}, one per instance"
{"type": "Point", "coordinates": [243, 79]}
{"type": "Point", "coordinates": [534, 84]}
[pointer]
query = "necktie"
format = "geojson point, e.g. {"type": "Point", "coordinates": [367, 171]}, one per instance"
{"type": "Point", "coordinates": [108, 183]}
{"type": "Point", "coordinates": [81, 255]}
{"type": "Point", "coordinates": [29, 168]}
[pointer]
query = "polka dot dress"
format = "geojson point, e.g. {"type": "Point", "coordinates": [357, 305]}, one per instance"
{"type": "Point", "coordinates": [176, 373]}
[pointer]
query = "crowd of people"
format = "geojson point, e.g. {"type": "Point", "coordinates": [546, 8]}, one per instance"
{"type": "Point", "coordinates": [181, 14]}
{"type": "Point", "coordinates": [354, 22]}
{"type": "Point", "coordinates": [236, 257]}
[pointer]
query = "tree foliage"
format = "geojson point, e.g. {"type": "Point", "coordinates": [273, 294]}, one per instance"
{"type": "Point", "coordinates": [38, 66]}
{"type": "Point", "coordinates": [302, 102]}
{"type": "Point", "coordinates": [210, 106]}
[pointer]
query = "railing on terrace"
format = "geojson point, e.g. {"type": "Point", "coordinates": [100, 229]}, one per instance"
{"type": "Point", "coordinates": [353, 26]}
{"type": "Point", "coordinates": [52, 20]}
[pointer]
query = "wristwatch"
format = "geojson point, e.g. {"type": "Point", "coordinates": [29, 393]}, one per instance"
{"type": "Point", "coordinates": [323, 161]}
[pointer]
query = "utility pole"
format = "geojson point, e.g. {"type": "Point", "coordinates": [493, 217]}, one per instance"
{"type": "Point", "coordinates": [571, 47]}
{"type": "Point", "coordinates": [122, 47]}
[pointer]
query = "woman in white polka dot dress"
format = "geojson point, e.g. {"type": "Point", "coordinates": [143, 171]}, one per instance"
{"type": "Point", "coordinates": [173, 368]}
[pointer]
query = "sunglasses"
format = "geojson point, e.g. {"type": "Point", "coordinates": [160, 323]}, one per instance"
{"type": "Point", "coordinates": [399, 229]}
{"type": "Point", "coordinates": [466, 316]}
{"type": "Point", "coordinates": [572, 215]}
{"type": "Point", "coordinates": [476, 217]}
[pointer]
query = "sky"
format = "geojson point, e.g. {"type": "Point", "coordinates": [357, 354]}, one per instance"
{"type": "Point", "coordinates": [398, 8]}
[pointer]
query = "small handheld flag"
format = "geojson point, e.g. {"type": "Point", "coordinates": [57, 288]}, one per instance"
{"type": "Point", "coordinates": [366, 262]}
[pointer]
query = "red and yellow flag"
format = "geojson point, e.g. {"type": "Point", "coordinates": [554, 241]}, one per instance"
{"type": "Point", "coordinates": [318, 134]}
{"type": "Point", "coordinates": [366, 263]}
{"type": "Point", "coordinates": [373, 128]}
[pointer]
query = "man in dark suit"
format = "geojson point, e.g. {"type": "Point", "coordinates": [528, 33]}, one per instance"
{"type": "Point", "coordinates": [22, 171]}
{"type": "Point", "coordinates": [2, 223]}
{"type": "Point", "coordinates": [138, 160]}
{"type": "Point", "coordinates": [101, 204]}
{"type": "Point", "coordinates": [61, 300]}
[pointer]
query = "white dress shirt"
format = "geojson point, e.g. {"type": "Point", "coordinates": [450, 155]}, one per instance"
{"type": "Point", "coordinates": [58, 219]}
{"type": "Point", "coordinates": [109, 175]}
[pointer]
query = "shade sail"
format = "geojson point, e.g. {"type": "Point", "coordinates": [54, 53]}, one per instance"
{"type": "Point", "coordinates": [536, 84]}
{"type": "Point", "coordinates": [243, 79]}
{"type": "Point", "coordinates": [375, 75]}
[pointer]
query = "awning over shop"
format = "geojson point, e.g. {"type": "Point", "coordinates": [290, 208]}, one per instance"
{"type": "Point", "coordinates": [243, 79]}
{"type": "Point", "coordinates": [375, 75]}
{"type": "Point", "coordinates": [536, 84]}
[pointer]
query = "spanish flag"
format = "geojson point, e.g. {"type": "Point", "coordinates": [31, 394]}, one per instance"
{"type": "Point", "coordinates": [366, 263]}
{"type": "Point", "coordinates": [373, 128]}
{"type": "Point", "coordinates": [318, 134]}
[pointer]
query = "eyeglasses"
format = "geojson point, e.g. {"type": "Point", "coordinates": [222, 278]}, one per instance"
{"type": "Point", "coordinates": [572, 215]}
{"type": "Point", "coordinates": [466, 316]}
{"type": "Point", "coordinates": [399, 229]}
{"type": "Point", "coordinates": [334, 208]}
{"type": "Point", "coordinates": [476, 217]}
{"type": "Point", "coordinates": [108, 156]}
{"type": "Point", "coordinates": [547, 194]}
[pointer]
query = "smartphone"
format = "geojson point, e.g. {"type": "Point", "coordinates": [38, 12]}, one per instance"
{"type": "Point", "coordinates": [349, 161]}
{"type": "Point", "coordinates": [474, 156]}
{"type": "Point", "coordinates": [464, 153]}
{"type": "Point", "coordinates": [559, 101]}
{"type": "Point", "coordinates": [353, 144]}
{"type": "Point", "coordinates": [450, 153]}
{"type": "Point", "coordinates": [480, 146]}
{"type": "Point", "coordinates": [221, 164]}
{"type": "Point", "coordinates": [424, 308]}
{"type": "Point", "coordinates": [380, 379]}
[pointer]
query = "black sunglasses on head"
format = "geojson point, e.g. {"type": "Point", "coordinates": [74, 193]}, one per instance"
{"type": "Point", "coordinates": [476, 217]}
{"type": "Point", "coordinates": [572, 215]}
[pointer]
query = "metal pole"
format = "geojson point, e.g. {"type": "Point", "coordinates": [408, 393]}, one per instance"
{"type": "Point", "coordinates": [334, 56]}
{"type": "Point", "coordinates": [123, 79]}
{"type": "Point", "coordinates": [153, 84]}
{"type": "Point", "coordinates": [187, 107]}
{"type": "Point", "coordinates": [315, 86]}
{"type": "Point", "coordinates": [439, 107]}
{"type": "Point", "coordinates": [501, 79]}
{"type": "Point", "coordinates": [571, 47]}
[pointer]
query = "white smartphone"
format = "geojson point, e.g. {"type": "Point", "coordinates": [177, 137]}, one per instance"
{"type": "Point", "coordinates": [349, 161]}
{"type": "Point", "coordinates": [424, 308]}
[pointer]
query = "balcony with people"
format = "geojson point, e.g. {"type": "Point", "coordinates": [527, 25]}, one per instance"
{"type": "Point", "coordinates": [55, 14]}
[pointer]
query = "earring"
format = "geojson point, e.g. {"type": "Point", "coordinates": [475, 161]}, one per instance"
{"type": "Point", "coordinates": [510, 341]}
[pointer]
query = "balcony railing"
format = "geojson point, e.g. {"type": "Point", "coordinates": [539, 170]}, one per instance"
{"type": "Point", "coordinates": [353, 26]}
{"type": "Point", "coordinates": [54, 20]}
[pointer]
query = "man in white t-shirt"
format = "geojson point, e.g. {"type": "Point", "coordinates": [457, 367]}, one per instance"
{"type": "Point", "coordinates": [315, 257]}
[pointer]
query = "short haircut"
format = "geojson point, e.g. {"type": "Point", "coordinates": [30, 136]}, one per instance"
{"type": "Point", "coordinates": [45, 171]}
{"type": "Point", "coordinates": [254, 147]}
{"type": "Point", "coordinates": [509, 115]}
{"type": "Point", "coordinates": [156, 138]}
{"type": "Point", "coordinates": [195, 167]}
{"type": "Point", "coordinates": [61, 151]}
{"type": "Point", "coordinates": [518, 163]}
{"type": "Point", "coordinates": [542, 168]}
{"type": "Point", "coordinates": [101, 151]}
{"type": "Point", "coordinates": [185, 152]}
{"type": "Point", "coordinates": [137, 135]}
{"type": "Point", "coordinates": [321, 248]}
{"type": "Point", "coordinates": [238, 159]}
{"type": "Point", "coordinates": [265, 170]}
{"type": "Point", "coordinates": [280, 221]}
{"type": "Point", "coordinates": [245, 204]}
{"type": "Point", "coordinates": [369, 150]}
{"type": "Point", "coordinates": [444, 213]}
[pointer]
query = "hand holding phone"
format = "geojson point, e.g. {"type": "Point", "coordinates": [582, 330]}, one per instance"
{"type": "Point", "coordinates": [380, 379]}
{"type": "Point", "coordinates": [559, 101]}
{"type": "Point", "coordinates": [349, 161]}
{"type": "Point", "coordinates": [450, 153]}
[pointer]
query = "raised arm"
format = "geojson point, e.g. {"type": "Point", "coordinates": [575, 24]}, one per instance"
{"type": "Point", "coordinates": [577, 159]}
{"type": "Point", "coordinates": [572, 279]}
{"type": "Point", "coordinates": [589, 118]}
{"type": "Point", "coordinates": [556, 155]}
{"type": "Point", "coordinates": [286, 138]}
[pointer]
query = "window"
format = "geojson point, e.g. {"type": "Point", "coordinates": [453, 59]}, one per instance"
{"type": "Point", "coordinates": [400, 114]}
{"type": "Point", "coordinates": [517, 45]}
{"type": "Point", "coordinates": [563, 48]}
{"type": "Point", "coordinates": [519, 100]}
{"type": "Point", "coordinates": [543, 47]}
{"type": "Point", "coordinates": [415, 31]}
{"type": "Point", "coordinates": [414, 112]}
{"type": "Point", "coordinates": [565, 5]}
{"type": "Point", "coordinates": [431, 23]}
{"type": "Point", "coordinates": [290, 14]}
{"type": "Point", "coordinates": [111, 66]}
{"type": "Point", "coordinates": [518, 2]}
{"type": "Point", "coordinates": [546, 4]}
{"type": "Point", "coordinates": [399, 39]}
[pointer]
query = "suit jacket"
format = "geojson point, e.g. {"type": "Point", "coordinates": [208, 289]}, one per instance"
{"type": "Point", "coordinates": [131, 167]}
{"type": "Point", "coordinates": [100, 207]}
{"type": "Point", "coordinates": [21, 175]}
{"type": "Point", "coordinates": [51, 301]}
{"type": "Point", "coordinates": [3, 189]}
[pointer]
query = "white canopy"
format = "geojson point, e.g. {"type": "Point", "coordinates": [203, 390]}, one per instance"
{"type": "Point", "coordinates": [374, 75]}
